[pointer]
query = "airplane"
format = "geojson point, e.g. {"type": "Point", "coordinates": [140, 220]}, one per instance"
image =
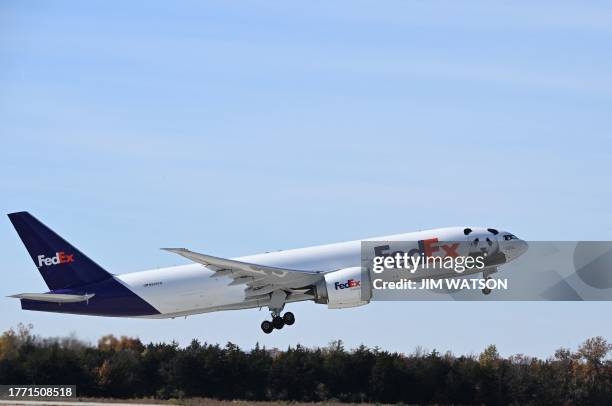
{"type": "Point", "coordinates": [78, 285]}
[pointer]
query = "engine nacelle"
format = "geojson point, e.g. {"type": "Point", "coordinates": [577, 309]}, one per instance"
{"type": "Point", "coordinates": [343, 288]}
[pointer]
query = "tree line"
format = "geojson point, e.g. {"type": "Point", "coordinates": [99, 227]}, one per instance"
{"type": "Point", "coordinates": [126, 368]}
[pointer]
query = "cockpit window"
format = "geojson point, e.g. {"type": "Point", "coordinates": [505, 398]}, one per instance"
{"type": "Point", "coordinates": [509, 237]}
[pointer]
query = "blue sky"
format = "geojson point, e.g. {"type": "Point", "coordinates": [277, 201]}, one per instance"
{"type": "Point", "coordinates": [234, 128]}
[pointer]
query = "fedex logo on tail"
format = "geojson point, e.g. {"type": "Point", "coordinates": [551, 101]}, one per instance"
{"type": "Point", "coordinates": [59, 258]}
{"type": "Point", "coordinates": [351, 283]}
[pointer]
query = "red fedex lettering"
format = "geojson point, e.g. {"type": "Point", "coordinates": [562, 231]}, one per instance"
{"type": "Point", "coordinates": [65, 258]}
{"type": "Point", "coordinates": [451, 250]}
{"type": "Point", "coordinates": [59, 258]}
{"type": "Point", "coordinates": [429, 247]}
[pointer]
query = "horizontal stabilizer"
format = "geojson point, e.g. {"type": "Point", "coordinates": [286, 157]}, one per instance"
{"type": "Point", "coordinates": [54, 297]}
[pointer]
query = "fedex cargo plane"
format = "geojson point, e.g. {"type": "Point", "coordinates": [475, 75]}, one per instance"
{"type": "Point", "coordinates": [326, 274]}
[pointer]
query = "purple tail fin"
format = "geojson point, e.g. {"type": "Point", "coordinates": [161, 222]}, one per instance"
{"type": "Point", "coordinates": [60, 264]}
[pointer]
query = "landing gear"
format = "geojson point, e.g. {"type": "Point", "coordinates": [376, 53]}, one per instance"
{"type": "Point", "coordinates": [486, 275]}
{"type": "Point", "coordinates": [267, 326]}
{"type": "Point", "coordinates": [276, 306]}
{"type": "Point", "coordinates": [486, 291]}
{"type": "Point", "coordinates": [289, 318]}
{"type": "Point", "coordinates": [278, 322]}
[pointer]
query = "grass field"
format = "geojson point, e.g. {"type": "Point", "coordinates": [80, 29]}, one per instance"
{"type": "Point", "coordinates": [212, 402]}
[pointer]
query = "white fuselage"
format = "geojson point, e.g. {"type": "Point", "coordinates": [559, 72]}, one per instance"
{"type": "Point", "coordinates": [190, 289]}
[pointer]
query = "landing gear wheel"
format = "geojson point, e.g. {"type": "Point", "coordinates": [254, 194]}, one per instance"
{"type": "Point", "coordinates": [278, 322]}
{"type": "Point", "coordinates": [267, 326]}
{"type": "Point", "coordinates": [289, 318]}
{"type": "Point", "coordinates": [486, 291]}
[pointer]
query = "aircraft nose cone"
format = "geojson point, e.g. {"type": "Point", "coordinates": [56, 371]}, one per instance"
{"type": "Point", "coordinates": [514, 249]}
{"type": "Point", "coordinates": [522, 247]}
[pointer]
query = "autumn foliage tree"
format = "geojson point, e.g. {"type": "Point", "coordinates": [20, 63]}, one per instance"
{"type": "Point", "coordinates": [124, 367]}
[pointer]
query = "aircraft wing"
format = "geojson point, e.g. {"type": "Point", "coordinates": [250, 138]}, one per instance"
{"type": "Point", "coordinates": [259, 279]}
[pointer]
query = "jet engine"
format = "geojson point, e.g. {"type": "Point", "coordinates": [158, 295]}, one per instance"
{"type": "Point", "coordinates": [347, 287]}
